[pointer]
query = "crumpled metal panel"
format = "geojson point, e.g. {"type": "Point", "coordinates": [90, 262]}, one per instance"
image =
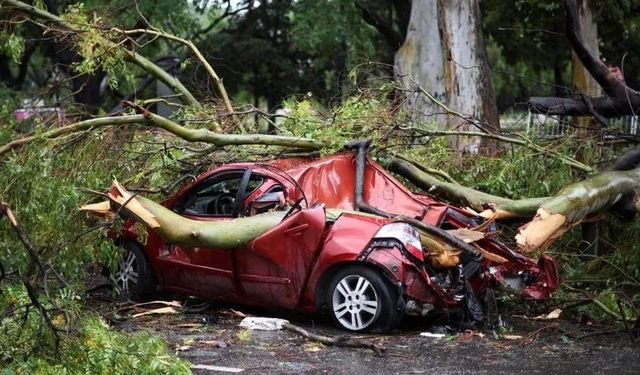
{"type": "Point", "coordinates": [332, 181]}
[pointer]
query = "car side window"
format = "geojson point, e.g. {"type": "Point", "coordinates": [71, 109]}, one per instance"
{"type": "Point", "coordinates": [216, 196]}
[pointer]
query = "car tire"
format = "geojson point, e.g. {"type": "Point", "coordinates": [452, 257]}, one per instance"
{"type": "Point", "coordinates": [134, 276]}
{"type": "Point", "coordinates": [362, 299]}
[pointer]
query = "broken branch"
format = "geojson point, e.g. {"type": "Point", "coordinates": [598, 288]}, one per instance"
{"type": "Point", "coordinates": [179, 230]}
{"type": "Point", "coordinates": [334, 341]}
{"type": "Point", "coordinates": [573, 204]}
{"type": "Point", "coordinates": [151, 119]}
{"type": "Point", "coordinates": [488, 205]}
{"type": "Point", "coordinates": [132, 56]}
{"type": "Point", "coordinates": [212, 73]}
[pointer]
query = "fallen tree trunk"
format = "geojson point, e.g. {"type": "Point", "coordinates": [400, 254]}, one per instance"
{"type": "Point", "coordinates": [179, 230]}
{"type": "Point", "coordinates": [486, 204]}
{"type": "Point", "coordinates": [604, 106]}
{"type": "Point", "coordinates": [574, 204]}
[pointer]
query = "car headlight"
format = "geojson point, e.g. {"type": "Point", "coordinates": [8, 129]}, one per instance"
{"type": "Point", "coordinates": [403, 233]}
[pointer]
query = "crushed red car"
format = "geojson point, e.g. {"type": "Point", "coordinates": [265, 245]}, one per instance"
{"type": "Point", "coordinates": [366, 270]}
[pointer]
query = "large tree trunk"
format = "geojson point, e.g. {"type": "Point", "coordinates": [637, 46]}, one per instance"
{"type": "Point", "coordinates": [444, 53]}
{"type": "Point", "coordinates": [582, 81]}
{"type": "Point", "coordinates": [584, 84]}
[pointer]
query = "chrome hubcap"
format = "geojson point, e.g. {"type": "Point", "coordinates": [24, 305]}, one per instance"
{"type": "Point", "coordinates": [355, 302]}
{"type": "Point", "coordinates": [127, 275]}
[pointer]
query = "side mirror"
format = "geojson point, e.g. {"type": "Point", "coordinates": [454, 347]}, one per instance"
{"type": "Point", "coordinates": [266, 202]}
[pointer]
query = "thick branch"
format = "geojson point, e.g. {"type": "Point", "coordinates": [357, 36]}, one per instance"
{"type": "Point", "coordinates": [216, 79]}
{"type": "Point", "coordinates": [522, 141]}
{"type": "Point", "coordinates": [207, 136]}
{"type": "Point", "coordinates": [622, 99]}
{"type": "Point", "coordinates": [574, 203]}
{"type": "Point", "coordinates": [161, 75]}
{"type": "Point", "coordinates": [613, 86]}
{"type": "Point", "coordinates": [179, 230]}
{"type": "Point", "coordinates": [605, 106]}
{"type": "Point", "coordinates": [153, 120]}
{"type": "Point", "coordinates": [488, 205]}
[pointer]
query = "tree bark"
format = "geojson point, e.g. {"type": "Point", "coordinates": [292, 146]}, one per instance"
{"type": "Point", "coordinates": [444, 53]}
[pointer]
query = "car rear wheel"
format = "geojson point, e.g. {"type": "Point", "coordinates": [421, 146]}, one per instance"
{"type": "Point", "coordinates": [360, 299]}
{"type": "Point", "coordinates": [134, 277]}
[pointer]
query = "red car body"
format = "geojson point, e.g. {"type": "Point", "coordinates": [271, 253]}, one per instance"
{"type": "Point", "coordinates": [290, 266]}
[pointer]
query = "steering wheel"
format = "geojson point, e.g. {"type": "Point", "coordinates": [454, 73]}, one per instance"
{"type": "Point", "coordinates": [224, 204]}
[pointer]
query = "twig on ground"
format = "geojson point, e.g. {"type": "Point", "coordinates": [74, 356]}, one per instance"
{"type": "Point", "coordinates": [344, 341]}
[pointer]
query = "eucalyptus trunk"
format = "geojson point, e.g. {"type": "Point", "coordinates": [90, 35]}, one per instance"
{"type": "Point", "coordinates": [444, 53]}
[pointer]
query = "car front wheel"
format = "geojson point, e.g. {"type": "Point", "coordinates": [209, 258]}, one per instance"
{"type": "Point", "coordinates": [360, 299]}
{"type": "Point", "coordinates": [134, 276]}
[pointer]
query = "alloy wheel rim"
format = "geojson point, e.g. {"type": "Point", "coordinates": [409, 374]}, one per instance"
{"type": "Point", "coordinates": [355, 302]}
{"type": "Point", "coordinates": [127, 274]}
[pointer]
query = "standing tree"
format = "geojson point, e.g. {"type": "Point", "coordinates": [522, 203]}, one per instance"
{"type": "Point", "coordinates": [440, 48]}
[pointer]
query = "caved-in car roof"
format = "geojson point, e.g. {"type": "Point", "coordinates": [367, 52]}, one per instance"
{"type": "Point", "coordinates": [331, 181]}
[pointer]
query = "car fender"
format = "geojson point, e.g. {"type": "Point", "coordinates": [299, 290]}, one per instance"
{"type": "Point", "coordinates": [344, 241]}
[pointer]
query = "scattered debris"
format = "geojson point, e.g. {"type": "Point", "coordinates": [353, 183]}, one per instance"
{"type": "Point", "coordinates": [469, 334]}
{"type": "Point", "coordinates": [263, 324]}
{"type": "Point", "coordinates": [159, 311]}
{"type": "Point", "coordinates": [244, 335]}
{"type": "Point", "coordinates": [271, 324]}
{"type": "Point", "coordinates": [433, 335]}
{"type": "Point", "coordinates": [313, 347]}
{"type": "Point", "coordinates": [217, 368]}
{"type": "Point", "coordinates": [214, 343]}
{"type": "Point", "coordinates": [238, 313]}
{"type": "Point", "coordinates": [512, 337]}
{"type": "Point", "coordinates": [555, 314]}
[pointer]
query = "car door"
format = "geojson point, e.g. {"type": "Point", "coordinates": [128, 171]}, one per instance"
{"type": "Point", "coordinates": [208, 272]}
{"type": "Point", "coordinates": [273, 269]}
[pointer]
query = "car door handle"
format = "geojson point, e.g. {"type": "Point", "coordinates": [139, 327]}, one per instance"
{"type": "Point", "coordinates": [296, 230]}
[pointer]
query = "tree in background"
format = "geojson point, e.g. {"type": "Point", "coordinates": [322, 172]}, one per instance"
{"type": "Point", "coordinates": [439, 47]}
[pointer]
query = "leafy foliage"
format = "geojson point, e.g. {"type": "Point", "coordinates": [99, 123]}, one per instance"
{"type": "Point", "coordinates": [11, 44]}
{"type": "Point", "coordinates": [89, 346]}
{"type": "Point", "coordinates": [96, 51]}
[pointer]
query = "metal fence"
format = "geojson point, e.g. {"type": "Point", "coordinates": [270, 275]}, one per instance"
{"type": "Point", "coordinates": [549, 127]}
